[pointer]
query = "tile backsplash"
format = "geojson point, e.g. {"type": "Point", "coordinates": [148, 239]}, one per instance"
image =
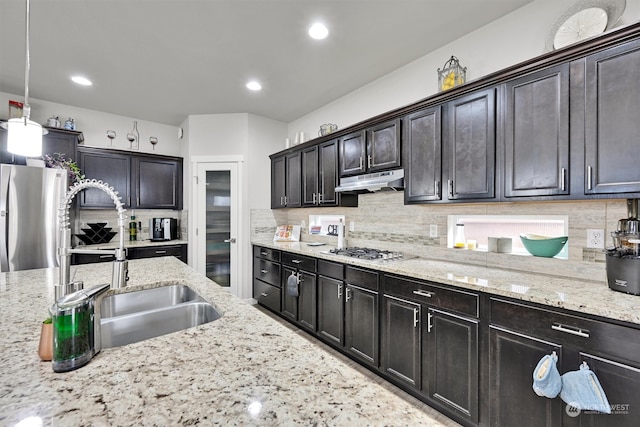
{"type": "Point", "coordinates": [383, 221]}
{"type": "Point", "coordinates": [85, 216]}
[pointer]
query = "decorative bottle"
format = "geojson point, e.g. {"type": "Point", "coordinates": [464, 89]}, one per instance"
{"type": "Point", "coordinates": [133, 228]}
{"type": "Point", "coordinates": [459, 242]}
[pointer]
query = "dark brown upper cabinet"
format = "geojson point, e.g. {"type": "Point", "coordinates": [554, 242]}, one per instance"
{"type": "Point", "coordinates": [376, 148]}
{"type": "Point", "coordinates": [143, 181]}
{"type": "Point", "coordinates": [470, 144]}
{"type": "Point", "coordinates": [278, 181]}
{"type": "Point", "coordinates": [422, 142]}
{"type": "Point", "coordinates": [157, 182]}
{"type": "Point", "coordinates": [612, 121]}
{"type": "Point", "coordinates": [286, 180]}
{"type": "Point", "coordinates": [109, 167]}
{"type": "Point", "coordinates": [320, 177]}
{"type": "Point", "coordinates": [536, 136]}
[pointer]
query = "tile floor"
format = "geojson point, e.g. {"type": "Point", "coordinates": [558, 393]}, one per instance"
{"type": "Point", "coordinates": [439, 420]}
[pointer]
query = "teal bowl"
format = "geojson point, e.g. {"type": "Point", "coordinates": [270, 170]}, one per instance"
{"type": "Point", "coordinates": [543, 246]}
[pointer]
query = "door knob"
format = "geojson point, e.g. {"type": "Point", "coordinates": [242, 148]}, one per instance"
{"type": "Point", "coordinates": [231, 240]}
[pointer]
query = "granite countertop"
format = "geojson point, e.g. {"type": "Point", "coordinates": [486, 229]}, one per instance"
{"type": "Point", "coordinates": [592, 297]}
{"type": "Point", "coordinates": [242, 369]}
{"type": "Point", "coordinates": [133, 244]}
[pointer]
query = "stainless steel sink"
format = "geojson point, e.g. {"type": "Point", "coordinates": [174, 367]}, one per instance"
{"type": "Point", "coordinates": [151, 313]}
{"type": "Point", "coordinates": [147, 299]}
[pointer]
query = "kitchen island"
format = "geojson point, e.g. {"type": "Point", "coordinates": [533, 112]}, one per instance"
{"type": "Point", "coordinates": [243, 369]}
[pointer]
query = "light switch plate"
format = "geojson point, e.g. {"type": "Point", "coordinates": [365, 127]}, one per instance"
{"type": "Point", "coordinates": [433, 230]}
{"type": "Point", "coordinates": [352, 226]}
{"type": "Point", "coordinates": [595, 238]}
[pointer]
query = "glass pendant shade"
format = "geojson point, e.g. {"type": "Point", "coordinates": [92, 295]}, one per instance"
{"type": "Point", "coordinates": [24, 137]}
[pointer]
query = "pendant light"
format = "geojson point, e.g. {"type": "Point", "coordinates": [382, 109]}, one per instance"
{"type": "Point", "coordinates": [25, 135]}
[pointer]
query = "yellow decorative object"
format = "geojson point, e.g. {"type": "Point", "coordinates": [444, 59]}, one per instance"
{"type": "Point", "coordinates": [451, 74]}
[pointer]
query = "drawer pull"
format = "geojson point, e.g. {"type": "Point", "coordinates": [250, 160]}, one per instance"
{"type": "Point", "coordinates": [106, 256]}
{"type": "Point", "coordinates": [570, 330]}
{"type": "Point", "coordinates": [415, 317]}
{"type": "Point", "coordinates": [264, 294]}
{"type": "Point", "coordinates": [161, 252]}
{"type": "Point", "coordinates": [264, 271]}
{"type": "Point", "coordinates": [296, 261]}
{"type": "Point", "coordinates": [423, 293]}
{"type": "Point", "coordinates": [263, 253]}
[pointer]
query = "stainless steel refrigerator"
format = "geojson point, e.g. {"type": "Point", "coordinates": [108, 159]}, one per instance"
{"type": "Point", "coordinates": [29, 201]}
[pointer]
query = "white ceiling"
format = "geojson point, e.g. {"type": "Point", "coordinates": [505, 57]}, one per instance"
{"type": "Point", "coordinates": [162, 60]}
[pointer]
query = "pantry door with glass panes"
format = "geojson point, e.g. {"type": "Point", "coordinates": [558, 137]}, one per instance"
{"type": "Point", "coordinates": [217, 223]}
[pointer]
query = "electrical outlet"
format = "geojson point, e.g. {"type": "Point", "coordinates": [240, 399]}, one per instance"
{"type": "Point", "coordinates": [352, 226]}
{"type": "Point", "coordinates": [433, 230]}
{"type": "Point", "coordinates": [595, 238]}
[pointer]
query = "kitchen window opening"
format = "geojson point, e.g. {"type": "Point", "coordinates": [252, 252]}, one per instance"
{"type": "Point", "coordinates": [478, 229]}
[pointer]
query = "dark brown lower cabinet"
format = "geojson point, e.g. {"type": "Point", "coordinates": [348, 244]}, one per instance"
{"type": "Point", "coordinates": [513, 357]}
{"type": "Point", "coordinates": [179, 251]}
{"type": "Point", "coordinates": [331, 309]}
{"type": "Point", "coordinates": [401, 340]}
{"type": "Point", "coordinates": [361, 324]}
{"type": "Point", "coordinates": [450, 366]}
{"type": "Point", "coordinates": [302, 308]}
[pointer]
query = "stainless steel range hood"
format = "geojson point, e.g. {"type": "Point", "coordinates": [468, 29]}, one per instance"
{"type": "Point", "coordinates": [387, 180]}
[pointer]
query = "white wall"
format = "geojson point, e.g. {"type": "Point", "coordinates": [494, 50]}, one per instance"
{"type": "Point", "coordinates": [507, 41]}
{"type": "Point", "coordinates": [247, 135]}
{"type": "Point", "coordinates": [94, 126]}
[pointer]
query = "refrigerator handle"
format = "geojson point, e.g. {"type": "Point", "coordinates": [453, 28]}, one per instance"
{"type": "Point", "coordinates": [5, 176]}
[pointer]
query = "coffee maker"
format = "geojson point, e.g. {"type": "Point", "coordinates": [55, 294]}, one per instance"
{"type": "Point", "coordinates": [623, 258]}
{"type": "Point", "coordinates": [163, 229]}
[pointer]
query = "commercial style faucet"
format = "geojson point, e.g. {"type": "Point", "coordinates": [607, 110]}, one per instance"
{"type": "Point", "coordinates": [119, 275]}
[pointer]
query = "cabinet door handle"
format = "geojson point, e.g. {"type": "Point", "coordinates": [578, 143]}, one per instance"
{"type": "Point", "coordinates": [570, 330]}
{"type": "Point", "coordinates": [361, 163]}
{"type": "Point", "coordinates": [415, 317]}
{"type": "Point", "coordinates": [137, 201]}
{"type": "Point", "coordinates": [281, 200]}
{"type": "Point", "coordinates": [436, 186]}
{"type": "Point", "coordinates": [348, 295]}
{"type": "Point", "coordinates": [161, 252]}
{"type": "Point", "coordinates": [423, 293]}
{"type": "Point", "coordinates": [429, 324]}
{"type": "Point", "coordinates": [369, 161]}
{"type": "Point", "coordinates": [340, 291]}
{"type": "Point", "coordinates": [320, 197]}
{"type": "Point", "coordinates": [450, 186]}
{"type": "Point", "coordinates": [313, 201]}
{"type": "Point", "coordinates": [264, 294]}
{"type": "Point", "coordinates": [589, 172]}
{"type": "Point", "coordinates": [286, 200]}
{"type": "Point", "coordinates": [563, 172]}
{"type": "Point", "coordinates": [264, 271]}
{"type": "Point", "coordinates": [300, 278]}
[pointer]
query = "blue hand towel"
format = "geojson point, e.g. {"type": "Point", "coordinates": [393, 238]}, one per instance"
{"type": "Point", "coordinates": [546, 378]}
{"type": "Point", "coordinates": [292, 285]}
{"type": "Point", "coordinates": [581, 389]}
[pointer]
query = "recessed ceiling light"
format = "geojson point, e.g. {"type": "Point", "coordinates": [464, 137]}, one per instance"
{"type": "Point", "coordinates": [318, 31]}
{"type": "Point", "coordinates": [254, 85]}
{"type": "Point", "coordinates": [83, 81]}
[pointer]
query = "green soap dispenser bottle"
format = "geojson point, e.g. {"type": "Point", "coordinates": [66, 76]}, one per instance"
{"type": "Point", "coordinates": [133, 228]}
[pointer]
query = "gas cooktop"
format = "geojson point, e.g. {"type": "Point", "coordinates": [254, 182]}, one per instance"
{"type": "Point", "coordinates": [369, 254]}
